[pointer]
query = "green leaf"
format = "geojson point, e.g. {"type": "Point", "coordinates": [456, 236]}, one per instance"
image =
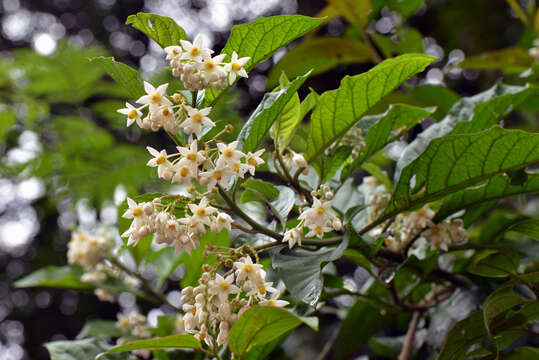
{"type": "Point", "coordinates": [462, 336]}
{"type": "Point", "coordinates": [266, 113]}
{"type": "Point", "coordinates": [164, 262]}
{"type": "Point", "coordinates": [284, 203]}
{"type": "Point", "coordinates": [64, 277]}
{"type": "Point", "coordinates": [435, 95]}
{"type": "Point", "coordinates": [86, 349]}
{"type": "Point", "coordinates": [258, 190]}
{"type": "Point", "coordinates": [327, 165]}
{"type": "Point", "coordinates": [320, 54]}
{"type": "Point", "coordinates": [495, 263]}
{"type": "Point", "coordinates": [361, 322]}
{"type": "Point", "coordinates": [300, 270]}
{"type": "Point", "coordinates": [8, 118]}
{"type": "Point", "coordinates": [339, 110]}
{"type": "Point", "coordinates": [166, 342]}
{"type": "Point", "coordinates": [100, 329]}
{"type": "Point", "coordinates": [162, 29]}
{"type": "Point", "coordinates": [386, 128]}
{"type": "Point", "coordinates": [261, 38]}
{"type": "Point", "coordinates": [410, 41]}
{"type": "Point", "coordinates": [493, 189]}
{"type": "Point", "coordinates": [522, 353]}
{"type": "Point", "coordinates": [356, 12]}
{"type": "Point", "coordinates": [258, 326]}
{"type": "Point", "coordinates": [499, 302]}
{"type": "Point", "coordinates": [193, 263]}
{"type": "Point", "coordinates": [512, 60]}
{"type": "Point", "coordinates": [405, 8]}
{"type": "Point", "coordinates": [287, 121]}
{"type": "Point", "coordinates": [529, 227]}
{"type": "Point", "coordinates": [123, 74]}
{"type": "Point", "coordinates": [378, 173]}
{"type": "Point", "coordinates": [454, 162]}
{"type": "Point", "coordinates": [468, 115]}
{"type": "Point", "coordinates": [261, 352]}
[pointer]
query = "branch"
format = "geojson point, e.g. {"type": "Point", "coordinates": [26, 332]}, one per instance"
{"type": "Point", "coordinates": [409, 340]}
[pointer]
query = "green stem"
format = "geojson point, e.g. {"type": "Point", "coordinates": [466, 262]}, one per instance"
{"type": "Point", "coordinates": [518, 10]}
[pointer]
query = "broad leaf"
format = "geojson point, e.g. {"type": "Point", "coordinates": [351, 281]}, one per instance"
{"type": "Point", "coordinates": [167, 342]}
{"type": "Point", "coordinates": [284, 203]}
{"type": "Point", "coordinates": [356, 12]}
{"type": "Point", "coordinates": [262, 351]}
{"type": "Point", "coordinates": [522, 353]}
{"type": "Point", "coordinates": [510, 60]}
{"type": "Point", "coordinates": [8, 117]}
{"type": "Point", "coordinates": [300, 270]}
{"type": "Point", "coordinates": [494, 263]}
{"type": "Point", "coordinates": [472, 114]}
{"type": "Point", "coordinates": [462, 336]}
{"type": "Point", "coordinates": [123, 74]}
{"type": "Point", "coordinates": [86, 349]}
{"type": "Point", "coordinates": [65, 277]}
{"type": "Point", "coordinates": [258, 190]}
{"type": "Point", "coordinates": [327, 165]}
{"type": "Point", "coordinates": [162, 29]}
{"type": "Point", "coordinates": [100, 329]}
{"type": "Point", "coordinates": [284, 127]}
{"type": "Point", "coordinates": [266, 113]}
{"type": "Point", "coordinates": [320, 54]}
{"type": "Point", "coordinates": [454, 162]}
{"type": "Point", "coordinates": [502, 299]}
{"type": "Point", "coordinates": [258, 326]}
{"type": "Point", "coordinates": [529, 227]}
{"type": "Point", "coordinates": [339, 110]}
{"type": "Point", "coordinates": [261, 38]}
{"type": "Point", "coordinates": [387, 127]}
{"type": "Point", "coordinates": [492, 190]}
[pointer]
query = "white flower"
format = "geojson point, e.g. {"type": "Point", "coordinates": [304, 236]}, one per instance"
{"type": "Point", "coordinates": [246, 269]}
{"type": "Point", "coordinates": [261, 289]}
{"type": "Point", "coordinates": [223, 221]}
{"type": "Point", "coordinates": [318, 214]}
{"type": "Point", "coordinates": [241, 169]}
{"type": "Point", "coordinates": [222, 287]}
{"type": "Point", "coordinates": [197, 118]}
{"type": "Point", "coordinates": [134, 210]}
{"type": "Point", "coordinates": [253, 160]}
{"type": "Point", "coordinates": [155, 97]}
{"type": "Point", "coordinates": [212, 69]}
{"type": "Point", "coordinates": [438, 236]}
{"type": "Point", "coordinates": [183, 173]}
{"type": "Point", "coordinates": [274, 301]}
{"type": "Point", "coordinates": [318, 230]}
{"type": "Point", "coordinates": [133, 114]}
{"type": "Point", "coordinates": [229, 154]}
{"type": "Point", "coordinates": [195, 51]}
{"type": "Point", "coordinates": [191, 156]}
{"type": "Point", "coordinates": [173, 52]}
{"type": "Point", "coordinates": [219, 175]}
{"type": "Point", "coordinates": [202, 211]}
{"type": "Point", "coordinates": [222, 338]}
{"type": "Point", "coordinates": [293, 236]}
{"type": "Point", "coordinates": [159, 160]}
{"type": "Point", "coordinates": [235, 67]}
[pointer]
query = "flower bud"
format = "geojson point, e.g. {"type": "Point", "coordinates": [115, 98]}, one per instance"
{"type": "Point", "coordinates": [148, 208]}
{"type": "Point", "coordinates": [299, 161]}
{"type": "Point", "coordinates": [329, 195]}
{"type": "Point", "coordinates": [337, 224]}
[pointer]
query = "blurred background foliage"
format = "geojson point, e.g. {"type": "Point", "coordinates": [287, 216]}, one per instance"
{"type": "Point", "coordinates": [67, 158]}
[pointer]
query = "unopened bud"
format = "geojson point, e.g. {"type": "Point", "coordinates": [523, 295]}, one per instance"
{"type": "Point", "coordinates": [329, 195]}
{"type": "Point", "coordinates": [299, 161]}
{"type": "Point", "coordinates": [178, 98]}
{"type": "Point", "coordinates": [206, 267]}
{"type": "Point", "coordinates": [229, 128]}
{"type": "Point", "coordinates": [191, 189]}
{"type": "Point", "coordinates": [148, 208]}
{"type": "Point", "coordinates": [337, 224]}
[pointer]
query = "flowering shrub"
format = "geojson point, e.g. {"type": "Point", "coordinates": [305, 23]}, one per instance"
{"type": "Point", "coordinates": [257, 225]}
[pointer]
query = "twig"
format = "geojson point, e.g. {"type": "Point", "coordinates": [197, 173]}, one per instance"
{"type": "Point", "coordinates": [409, 339]}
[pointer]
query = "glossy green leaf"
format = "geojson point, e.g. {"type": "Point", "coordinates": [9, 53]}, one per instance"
{"type": "Point", "coordinates": [454, 162]}
{"type": "Point", "coordinates": [258, 326]}
{"type": "Point", "coordinates": [65, 277]}
{"type": "Point", "coordinates": [386, 128]}
{"type": "Point", "coordinates": [501, 300]}
{"type": "Point", "coordinates": [284, 127]}
{"type": "Point", "coordinates": [258, 190]}
{"type": "Point", "coordinates": [494, 263]}
{"type": "Point", "coordinates": [8, 118]}
{"type": "Point", "coordinates": [410, 41]}
{"type": "Point", "coordinates": [319, 54]}
{"type": "Point", "coordinates": [462, 336]}
{"type": "Point", "coordinates": [435, 95]}
{"type": "Point", "coordinates": [511, 60]}
{"type": "Point", "coordinates": [468, 115]}
{"type": "Point", "coordinates": [100, 329]}
{"type": "Point", "coordinates": [262, 352]}
{"type": "Point", "coordinates": [162, 29]}
{"type": "Point", "coordinates": [284, 203]}
{"type": "Point", "coordinates": [300, 270]}
{"type": "Point", "coordinates": [327, 165]}
{"type": "Point", "coordinates": [86, 349]}
{"type": "Point", "coordinates": [356, 12]}
{"type": "Point", "coordinates": [339, 110]}
{"type": "Point", "coordinates": [529, 227]}
{"type": "Point", "coordinates": [266, 113]}
{"type": "Point", "coordinates": [491, 190]}
{"type": "Point", "coordinates": [123, 74]}
{"type": "Point", "coordinates": [166, 342]}
{"type": "Point", "coordinates": [261, 38]}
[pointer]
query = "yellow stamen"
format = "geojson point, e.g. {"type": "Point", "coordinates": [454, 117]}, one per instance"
{"type": "Point", "coordinates": [228, 153]}
{"type": "Point", "coordinates": [197, 118]}
{"type": "Point", "coordinates": [156, 98]}
{"type": "Point", "coordinates": [248, 268]}
{"type": "Point", "coordinates": [166, 112]}
{"type": "Point", "coordinates": [137, 211]}
{"type": "Point", "coordinates": [132, 114]}
{"type": "Point", "coordinates": [201, 212]}
{"type": "Point", "coordinates": [262, 290]}
{"type": "Point", "coordinates": [320, 210]}
{"type": "Point", "coordinates": [209, 65]}
{"type": "Point", "coordinates": [236, 67]}
{"type": "Point", "coordinates": [194, 51]}
{"type": "Point", "coordinates": [252, 161]}
{"type": "Point", "coordinates": [218, 175]}
{"type": "Point", "coordinates": [191, 156]}
{"type": "Point", "coordinates": [224, 286]}
{"type": "Point", "coordinates": [160, 160]}
{"type": "Point", "coordinates": [184, 172]}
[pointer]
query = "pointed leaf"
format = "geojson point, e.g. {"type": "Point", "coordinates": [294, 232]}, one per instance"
{"type": "Point", "coordinates": [167, 342]}
{"type": "Point", "coordinates": [65, 277]}
{"type": "Point", "coordinates": [339, 110]}
{"type": "Point", "coordinates": [123, 74]}
{"type": "Point", "coordinates": [86, 349]}
{"type": "Point", "coordinates": [162, 29]}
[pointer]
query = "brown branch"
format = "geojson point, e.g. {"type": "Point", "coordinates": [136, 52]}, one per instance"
{"type": "Point", "coordinates": [407, 347]}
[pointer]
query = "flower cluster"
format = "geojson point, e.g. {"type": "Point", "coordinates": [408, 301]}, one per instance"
{"type": "Point", "coordinates": [134, 326]}
{"type": "Point", "coordinates": [444, 234]}
{"type": "Point", "coordinates": [319, 219]}
{"type": "Point", "coordinates": [184, 233]}
{"type": "Point", "coordinates": [193, 164]}
{"type": "Point", "coordinates": [212, 307]}
{"type": "Point", "coordinates": [198, 70]}
{"type": "Point", "coordinates": [354, 139]}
